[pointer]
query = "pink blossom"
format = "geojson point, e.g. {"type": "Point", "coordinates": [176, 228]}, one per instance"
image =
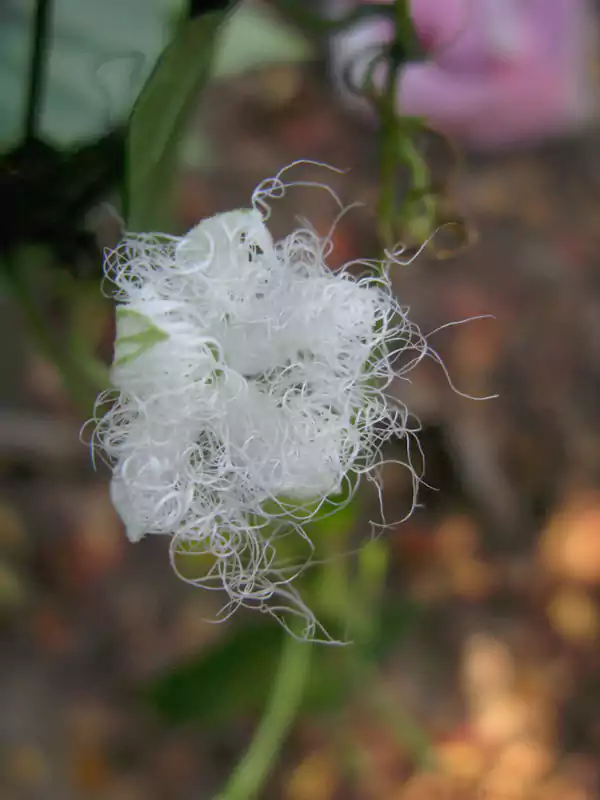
{"type": "Point", "coordinates": [497, 72]}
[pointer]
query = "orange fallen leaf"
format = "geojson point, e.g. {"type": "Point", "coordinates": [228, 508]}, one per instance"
{"type": "Point", "coordinates": [570, 546]}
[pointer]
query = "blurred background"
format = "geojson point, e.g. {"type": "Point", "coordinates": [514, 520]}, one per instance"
{"type": "Point", "coordinates": [482, 644]}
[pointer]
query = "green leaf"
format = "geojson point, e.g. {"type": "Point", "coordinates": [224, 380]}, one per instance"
{"type": "Point", "coordinates": [99, 55]}
{"type": "Point", "coordinates": [158, 119]}
{"type": "Point", "coordinates": [255, 37]}
{"type": "Point", "coordinates": [232, 678]}
{"type": "Point", "coordinates": [235, 676]}
{"type": "Point", "coordinates": [396, 618]}
{"type": "Point", "coordinates": [213, 46]}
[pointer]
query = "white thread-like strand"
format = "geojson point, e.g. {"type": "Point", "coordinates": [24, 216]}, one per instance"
{"type": "Point", "coordinates": [250, 385]}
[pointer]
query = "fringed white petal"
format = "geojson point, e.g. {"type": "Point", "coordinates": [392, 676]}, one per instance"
{"type": "Point", "coordinates": [249, 379]}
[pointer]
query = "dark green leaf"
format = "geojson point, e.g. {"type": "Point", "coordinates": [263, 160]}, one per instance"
{"type": "Point", "coordinates": [233, 678]}
{"type": "Point", "coordinates": [254, 38]}
{"type": "Point", "coordinates": [395, 620]}
{"type": "Point", "coordinates": [158, 119]}
{"type": "Point", "coordinates": [198, 7]}
{"type": "Point", "coordinates": [45, 194]}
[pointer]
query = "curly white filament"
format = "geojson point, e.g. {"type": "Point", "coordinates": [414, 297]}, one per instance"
{"type": "Point", "coordinates": [250, 384]}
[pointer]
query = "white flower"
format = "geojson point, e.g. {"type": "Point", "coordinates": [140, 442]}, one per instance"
{"type": "Point", "coordinates": [251, 384]}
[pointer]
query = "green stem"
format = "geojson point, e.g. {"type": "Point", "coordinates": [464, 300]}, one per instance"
{"type": "Point", "coordinates": [369, 584]}
{"type": "Point", "coordinates": [388, 161]}
{"type": "Point", "coordinates": [397, 133]}
{"type": "Point", "coordinates": [43, 13]}
{"type": "Point", "coordinates": [251, 773]}
{"type": "Point", "coordinates": [404, 27]}
{"type": "Point", "coordinates": [390, 127]}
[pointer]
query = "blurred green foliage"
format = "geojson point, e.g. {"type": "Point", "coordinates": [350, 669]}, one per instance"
{"type": "Point", "coordinates": [50, 181]}
{"type": "Point", "coordinates": [234, 676]}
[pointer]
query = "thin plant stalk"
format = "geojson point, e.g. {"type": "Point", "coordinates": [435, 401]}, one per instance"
{"type": "Point", "coordinates": [248, 778]}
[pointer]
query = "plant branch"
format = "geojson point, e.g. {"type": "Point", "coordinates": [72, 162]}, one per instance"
{"type": "Point", "coordinates": [43, 13]}
{"type": "Point", "coordinates": [251, 773]}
